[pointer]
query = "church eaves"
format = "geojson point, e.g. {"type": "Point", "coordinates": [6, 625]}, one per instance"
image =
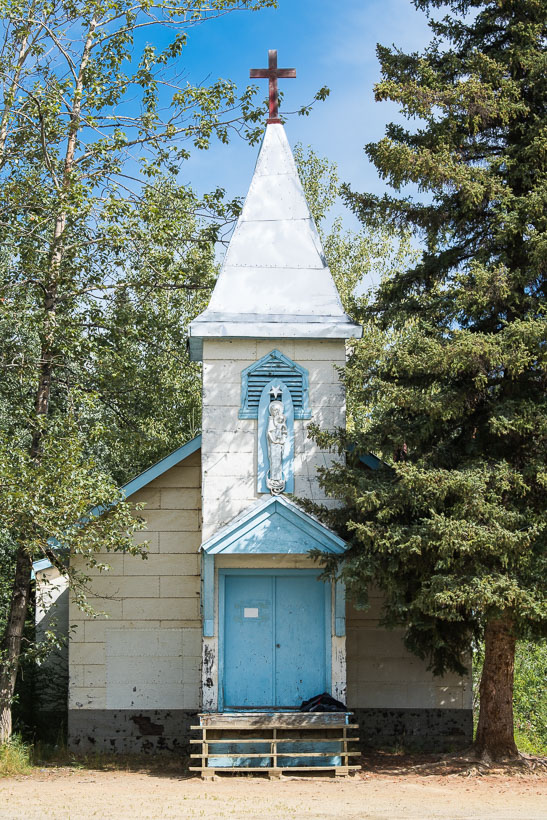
{"type": "Point", "coordinates": [275, 281]}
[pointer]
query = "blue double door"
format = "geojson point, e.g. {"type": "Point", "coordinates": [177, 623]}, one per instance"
{"type": "Point", "coordinates": [276, 639]}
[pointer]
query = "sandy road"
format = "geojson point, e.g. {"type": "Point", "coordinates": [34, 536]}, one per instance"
{"type": "Point", "coordinates": [69, 794]}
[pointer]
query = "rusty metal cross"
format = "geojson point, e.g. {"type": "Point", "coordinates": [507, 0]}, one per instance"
{"type": "Point", "coordinates": [273, 73]}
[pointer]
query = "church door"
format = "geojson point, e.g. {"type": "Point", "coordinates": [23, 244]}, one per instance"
{"type": "Point", "coordinates": [276, 638]}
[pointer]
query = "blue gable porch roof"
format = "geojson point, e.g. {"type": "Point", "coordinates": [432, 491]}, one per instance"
{"type": "Point", "coordinates": [274, 525]}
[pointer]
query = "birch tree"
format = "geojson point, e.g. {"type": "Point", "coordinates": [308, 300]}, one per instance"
{"type": "Point", "coordinates": [94, 118]}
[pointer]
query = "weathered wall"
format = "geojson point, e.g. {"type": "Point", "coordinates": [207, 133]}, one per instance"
{"type": "Point", "coordinates": [396, 699]}
{"type": "Point", "coordinates": [382, 673]}
{"type": "Point", "coordinates": [144, 659]}
{"type": "Point", "coordinates": [230, 444]}
{"type": "Point", "coordinates": [135, 677]}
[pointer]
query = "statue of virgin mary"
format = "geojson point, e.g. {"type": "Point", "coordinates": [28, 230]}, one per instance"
{"type": "Point", "coordinates": [276, 436]}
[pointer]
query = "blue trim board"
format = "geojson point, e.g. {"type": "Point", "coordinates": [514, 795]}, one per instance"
{"type": "Point", "coordinates": [162, 466]}
{"type": "Point", "coordinates": [208, 594]}
{"type": "Point", "coordinates": [274, 525]}
{"type": "Point", "coordinates": [43, 563]}
{"type": "Point", "coordinates": [368, 459]}
{"type": "Point", "coordinates": [371, 461]}
{"type": "Point", "coordinates": [139, 482]}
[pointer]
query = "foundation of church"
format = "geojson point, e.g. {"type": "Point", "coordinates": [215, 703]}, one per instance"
{"type": "Point", "coordinates": [130, 731]}
{"type": "Point", "coordinates": [427, 730]}
{"type": "Point", "coordinates": [153, 731]}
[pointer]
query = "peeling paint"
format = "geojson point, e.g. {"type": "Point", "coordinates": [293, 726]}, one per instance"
{"type": "Point", "coordinates": [209, 676]}
{"type": "Point", "coordinates": [339, 689]}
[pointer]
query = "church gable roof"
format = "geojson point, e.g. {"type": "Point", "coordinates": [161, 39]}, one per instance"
{"type": "Point", "coordinates": [275, 525]}
{"type": "Point", "coordinates": [136, 484]}
{"type": "Point", "coordinates": [161, 467]}
{"type": "Point", "coordinates": [275, 281]}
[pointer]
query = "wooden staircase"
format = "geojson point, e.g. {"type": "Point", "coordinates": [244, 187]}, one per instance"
{"type": "Point", "coordinates": [275, 742]}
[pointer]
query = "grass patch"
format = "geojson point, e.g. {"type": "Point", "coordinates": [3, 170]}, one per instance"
{"type": "Point", "coordinates": [15, 757]}
{"type": "Point", "coordinates": [530, 743]}
{"type": "Point", "coordinates": [20, 758]}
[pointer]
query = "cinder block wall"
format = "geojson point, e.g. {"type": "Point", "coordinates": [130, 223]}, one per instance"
{"type": "Point", "coordinates": [230, 443]}
{"type": "Point", "coordinates": [398, 701]}
{"type": "Point", "coordinates": [134, 676]}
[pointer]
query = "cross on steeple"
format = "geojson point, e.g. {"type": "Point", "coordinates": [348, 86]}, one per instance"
{"type": "Point", "coordinates": [273, 73]}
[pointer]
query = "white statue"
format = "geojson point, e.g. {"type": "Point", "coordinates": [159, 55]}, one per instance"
{"type": "Point", "coordinates": [276, 435]}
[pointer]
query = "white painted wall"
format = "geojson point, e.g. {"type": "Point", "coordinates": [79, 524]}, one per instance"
{"type": "Point", "coordinates": [382, 673]}
{"type": "Point", "coordinates": [229, 460]}
{"type": "Point", "coordinates": [147, 652]}
{"type": "Point", "coordinates": [229, 447]}
{"type": "Point", "coordinates": [51, 615]}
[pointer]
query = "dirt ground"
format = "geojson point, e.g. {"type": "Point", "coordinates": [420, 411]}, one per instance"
{"type": "Point", "coordinates": [388, 788]}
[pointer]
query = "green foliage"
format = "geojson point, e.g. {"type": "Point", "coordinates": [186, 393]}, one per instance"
{"type": "Point", "coordinates": [105, 260]}
{"type": "Point", "coordinates": [355, 258]}
{"type": "Point", "coordinates": [448, 385]}
{"type": "Point", "coordinates": [531, 694]}
{"type": "Point", "coordinates": [46, 504]}
{"type": "Point", "coordinates": [15, 758]}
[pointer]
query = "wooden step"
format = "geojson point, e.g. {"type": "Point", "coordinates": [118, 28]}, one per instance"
{"type": "Point", "coordinates": [302, 732]}
{"type": "Point", "coordinates": [303, 753]}
{"type": "Point", "coordinates": [230, 739]}
{"type": "Point", "coordinates": [274, 773]}
{"type": "Point", "coordinates": [271, 719]}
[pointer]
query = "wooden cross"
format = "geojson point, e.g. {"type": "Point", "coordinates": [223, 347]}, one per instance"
{"type": "Point", "coordinates": [273, 73]}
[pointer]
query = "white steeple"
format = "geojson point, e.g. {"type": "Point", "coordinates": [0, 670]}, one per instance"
{"type": "Point", "coordinates": [275, 281]}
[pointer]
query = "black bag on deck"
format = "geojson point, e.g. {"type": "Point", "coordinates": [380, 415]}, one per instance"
{"type": "Point", "coordinates": [322, 703]}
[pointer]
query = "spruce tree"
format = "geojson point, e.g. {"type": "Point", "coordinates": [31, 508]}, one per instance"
{"type": "Point", "coordinates": [448, 385]}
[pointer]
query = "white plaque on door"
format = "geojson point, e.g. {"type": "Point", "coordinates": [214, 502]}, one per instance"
{"type": "Point", "coordinates": [250, 612]}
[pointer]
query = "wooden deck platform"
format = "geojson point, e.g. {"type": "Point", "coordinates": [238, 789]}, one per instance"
{"type": "Point", "coordinates": [275, 742]}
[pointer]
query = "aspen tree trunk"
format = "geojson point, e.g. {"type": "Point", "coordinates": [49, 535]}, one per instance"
{"type": "Point", "coordinates": [10, 96]}
{"type": "Point", "coordinates": [10, 649]}
{"type": "Point", "coordinates": [495, 731]}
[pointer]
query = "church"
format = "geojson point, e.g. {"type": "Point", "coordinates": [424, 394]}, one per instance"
{"type": "Point", "coordinates": [228, 614]}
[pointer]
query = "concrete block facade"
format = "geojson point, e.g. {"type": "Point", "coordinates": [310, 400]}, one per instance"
{"type": "Point", "coordinates": [139, 674]}
{"type": "Point", "coordinates": [134, 675]}
{"type": "Point", "coordinates": [383, 674]}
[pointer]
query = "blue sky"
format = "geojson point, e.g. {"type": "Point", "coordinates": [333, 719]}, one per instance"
{"type": "Point", "coordinates": [329, 44]}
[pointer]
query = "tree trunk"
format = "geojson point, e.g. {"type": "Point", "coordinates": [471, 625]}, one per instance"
{"type": "Point", "coordinates": [495, 738]}
{"type": "Point", "coordinates": [11, 644]}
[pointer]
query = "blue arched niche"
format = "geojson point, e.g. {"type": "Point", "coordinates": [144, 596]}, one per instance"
{"type": "Point", "coordinates": [263, 419]}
